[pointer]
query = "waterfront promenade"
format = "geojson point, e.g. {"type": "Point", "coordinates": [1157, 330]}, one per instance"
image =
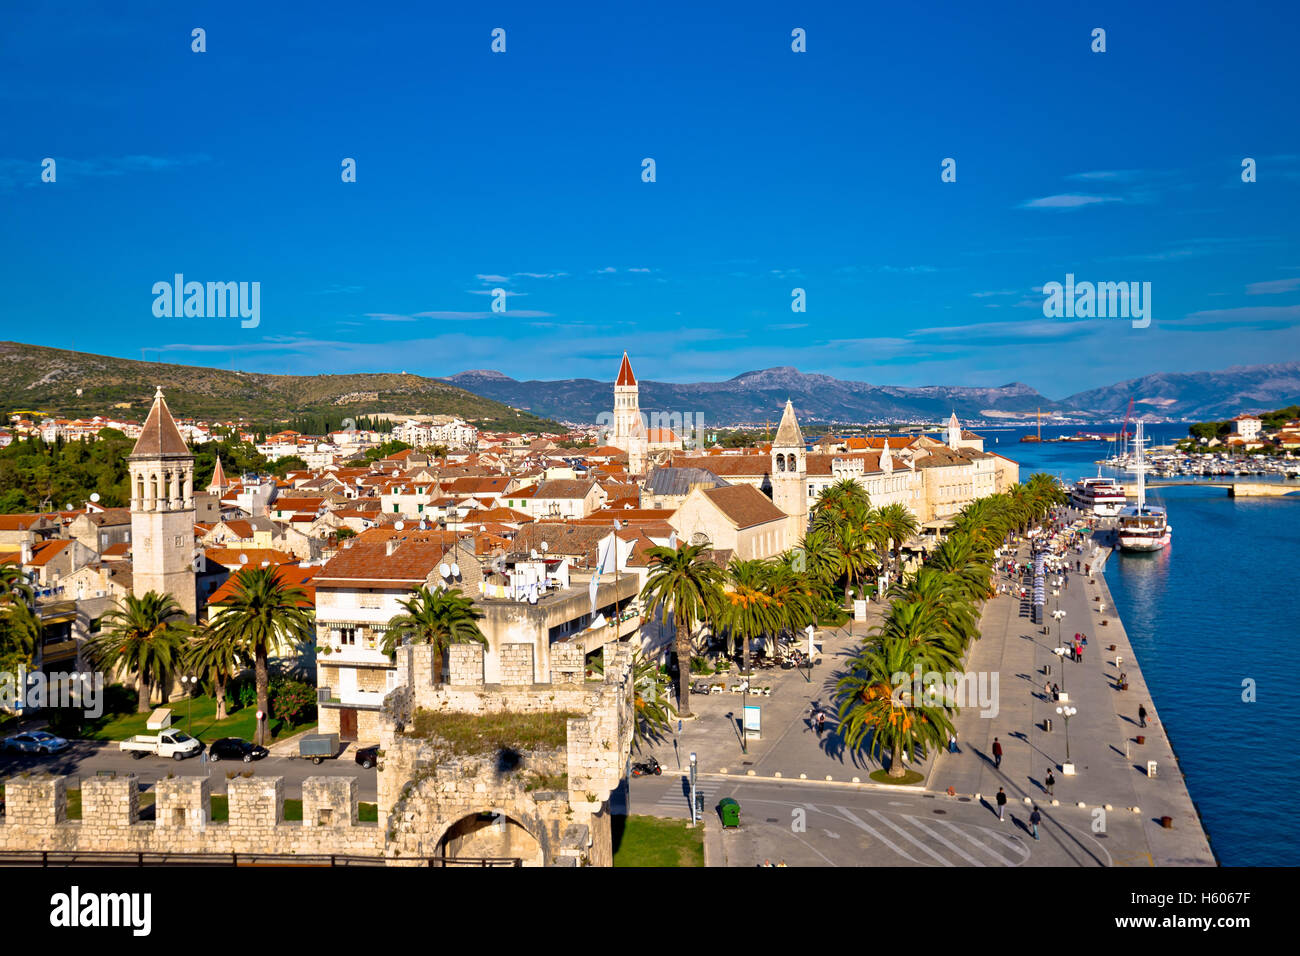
{"type": "Point", "coordinates": [1111, 767]}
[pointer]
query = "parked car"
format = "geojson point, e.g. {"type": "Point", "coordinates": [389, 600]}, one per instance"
{"type": "Point", "coordinates": [367, 757]}
{"type": "Point", "coordinates": [236, 748]}
{"type": "Point", "coordinates": [170, 743]}
{"type": "Point", "coordinates": [35, 742]}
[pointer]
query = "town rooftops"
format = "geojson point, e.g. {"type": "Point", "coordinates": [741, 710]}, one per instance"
{"type": "Point", "coordinates": [371, 565]}
{"type": "Point", "coordinates": [744, 505]}
{"type": "Point", "coordinates": [565, 488]}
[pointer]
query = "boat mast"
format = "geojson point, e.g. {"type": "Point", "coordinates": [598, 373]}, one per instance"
{"type": "Point", "coordinates": [1141, 472]}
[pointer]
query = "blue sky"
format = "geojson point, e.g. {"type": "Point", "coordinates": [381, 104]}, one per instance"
{"type": "Point", "coordinates": [775, 170]}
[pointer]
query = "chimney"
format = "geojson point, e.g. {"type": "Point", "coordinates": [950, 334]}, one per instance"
{"type": "Point", "coordinates": [26, 556]}
{"type": "Point", "coordinates": [391, 545]}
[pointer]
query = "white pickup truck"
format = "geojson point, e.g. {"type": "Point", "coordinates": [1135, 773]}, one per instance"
{"type": "Point", "coordinates": [169, 743]}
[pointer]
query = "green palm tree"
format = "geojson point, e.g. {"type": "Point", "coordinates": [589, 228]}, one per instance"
{"type": "Point", "coordinates": [440, 618]}
{"type": "Point", "coordinates": [217, 658]}
{"type": "Point", "coordinates": [859, 554]}
{"type": "Point", "coordinates": [747, 609]}
{"type": "Point", "coordinates": [872, 712]}
{"type": "Point", "coordinates": [145, 636]}
{"type": "Point", "coordinates": [14, 586]}
{"type": "Point", "coordinates": [20, 634]}
{"type": "Point", "coordinates": [653, 698]}
{"type": "Point", "coordinates": [821, 560]}
{"type": "Point", "coordinates": [685, 583]}
{"type": "Point", "coordinates": [265, 615]}
{"type": "Point", "coordinates": [940, 591]}
{"type": "Point", "coordinates": [899, 526]}
{"type": "Point", "coordinates": [969, 565]}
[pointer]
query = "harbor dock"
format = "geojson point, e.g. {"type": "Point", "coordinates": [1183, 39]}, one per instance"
{"type": "Point", "coordinates": [1116, 809]}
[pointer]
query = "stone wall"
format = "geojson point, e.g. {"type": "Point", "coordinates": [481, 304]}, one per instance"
{"type": "Point", "coordinates": [568, 663]}
{"type": "Point", "coordinates": [517, 664]}
{"type": "Point", "coordinates": [430, 804]}
{"type": "Point", "coordinates": [466, 667]}
{"type": "Point", "coordinates": [36, 818]}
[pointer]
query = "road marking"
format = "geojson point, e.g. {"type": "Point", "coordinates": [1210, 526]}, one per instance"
{"type": "Point", "coordinates": [907, 836]}
{"type": "Point", "coordinates": [952, 846]}
{"type": "Point", "coordinates": [851, 817]}
{"type": "Point", "coordinates": [983, 846]}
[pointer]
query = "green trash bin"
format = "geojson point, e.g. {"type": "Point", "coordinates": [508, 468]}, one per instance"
{"type": "Point", "coordinates": [730, 811]}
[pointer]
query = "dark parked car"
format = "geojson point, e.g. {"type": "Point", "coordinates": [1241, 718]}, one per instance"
{"type": "Point", "coordinates": [236, 748]}
{"type": "Point", "coordinates": [367, 757]}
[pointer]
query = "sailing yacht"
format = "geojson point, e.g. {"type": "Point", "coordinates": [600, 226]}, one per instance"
{"type": "Point", "coordinates": [1142, 527]}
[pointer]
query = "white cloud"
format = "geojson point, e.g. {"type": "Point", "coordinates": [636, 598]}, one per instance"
{"type": "Point", "coordinates": [1273, 287]}
{"type": "Point", "coordinates": [1066, 201]}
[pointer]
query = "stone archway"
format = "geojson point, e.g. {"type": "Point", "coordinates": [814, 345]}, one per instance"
{"type": "Point", "coordinates": [490, 833]}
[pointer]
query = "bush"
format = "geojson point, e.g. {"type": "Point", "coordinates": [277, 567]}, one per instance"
{"type": "Point", "coordinates": [292, 701]}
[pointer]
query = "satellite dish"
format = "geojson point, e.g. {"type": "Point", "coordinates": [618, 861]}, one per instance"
{"type": "Point", "coordinates": [94, 496]}
{"type": "Point", "coordinates": [398, 526]}
{"type": "Point", "coordinates": [444, 570]}
{"type": "Point", "coordinates": [243, 559]}
{"type": "Point", "coordinates": [545, 547]}
{"type": "Point", "coordinates": [455, 570]}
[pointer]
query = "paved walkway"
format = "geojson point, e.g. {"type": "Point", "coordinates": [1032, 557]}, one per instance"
{"type": "Point", "coordinates": [1111, 767]}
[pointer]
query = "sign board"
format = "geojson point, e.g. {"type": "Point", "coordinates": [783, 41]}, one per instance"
{"type": "Point", "coordinates": [753, 721]}
{"type": "Point", "coordinates": [859, 610]}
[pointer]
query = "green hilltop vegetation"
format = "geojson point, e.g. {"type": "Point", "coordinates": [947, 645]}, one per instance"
{"type": "Point", "coordinates": [1271, 422]}
{"type": "Point", "coordinates": [47, 380]}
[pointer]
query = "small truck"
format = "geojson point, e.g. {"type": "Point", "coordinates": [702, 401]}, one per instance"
{"type": "Point", "coordinates": [169, 742]}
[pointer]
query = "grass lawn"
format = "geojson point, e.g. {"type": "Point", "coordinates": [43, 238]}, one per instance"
{"type": "Point", "coordinates": [651, 841]}
{"type": "Point", "coordinates": [910, 777]}
{"type": "Point", "coordinates": [484, 733]}
{"type": "Point", "coordinates": [242, 723]}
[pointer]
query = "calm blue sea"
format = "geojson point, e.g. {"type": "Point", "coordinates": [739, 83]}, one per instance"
{"type": "Point", "coordinates": [1216, 608]}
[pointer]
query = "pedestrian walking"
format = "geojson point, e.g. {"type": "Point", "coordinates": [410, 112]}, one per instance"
{"type": "Point", "coordinates": [1056, 692]}
{"type": "Point", "coordinates": [1051, 783]}
{"type": "Point", "coordinates": [1002, 803]}
{"type": "Point", "coordinates": [1142, 715]}
{"type": "Point", "coordinates": [821, 723]}
{"type": "Point", "coordinates": [1035, 818]}
{"type": "Point", "coordinates": [952, 742]}
{"type": "Point", "coordinates": [997, 748]}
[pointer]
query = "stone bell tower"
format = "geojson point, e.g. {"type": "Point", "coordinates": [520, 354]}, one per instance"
{"type": "Point", "coordinates": [162, 510]}
{"type": "Point", "coordinates": [789, 471]}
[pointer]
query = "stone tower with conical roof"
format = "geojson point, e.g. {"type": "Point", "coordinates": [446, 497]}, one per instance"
{"type": "Point", "coordinates": [790, 472]}
{"type": "Point", "coordinates": [219, 484]}
{"type": "Point", "coordinates": [954, 431]}
{"type": "Point", "coordinates": [629, 431]}
{"type": "Point", "coordinates": [162, 510]}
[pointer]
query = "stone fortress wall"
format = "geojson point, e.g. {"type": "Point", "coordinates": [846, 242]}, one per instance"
{"type": "Point", "coordinates": [548, 808]}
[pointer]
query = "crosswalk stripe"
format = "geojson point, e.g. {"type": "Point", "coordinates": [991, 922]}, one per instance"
{"type": "Point", "coordinates": [879, 836]}
{"type": "Point", "coordinates": [983, 846]}
{"type": "Point", "coordinates": [937, 836]}
{"type": "Point", "coordinates": [907, 836]}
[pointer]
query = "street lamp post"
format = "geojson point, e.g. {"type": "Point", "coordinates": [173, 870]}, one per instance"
{"type": "Point", "coordinates": [1059, 651]}
{"type": "Point", "coordinates": [1067, 712]}
{"type": "Point", "coordinates": [1058, 614]}
{"type": "Point", "coordinates": [189, 683]}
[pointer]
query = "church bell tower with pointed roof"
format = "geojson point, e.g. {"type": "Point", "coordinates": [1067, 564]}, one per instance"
{"type": "Point", "coordinates": [162, 510]}
{"type": "Point", "coordinates": [790, 472]}
{"type": "Point", "coordinates": [629, 431]}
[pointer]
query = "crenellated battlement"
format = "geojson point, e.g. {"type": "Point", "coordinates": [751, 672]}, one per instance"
{"type": "Point", "coordinates": [544, 807]}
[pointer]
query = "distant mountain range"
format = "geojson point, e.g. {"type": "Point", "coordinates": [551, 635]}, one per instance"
{"type": "Point", "coordinates": [61, 382]}
{"type": "Point", "coordinates": [71, 384]}
{"type": "Point", "coordinates": [755, 397]}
